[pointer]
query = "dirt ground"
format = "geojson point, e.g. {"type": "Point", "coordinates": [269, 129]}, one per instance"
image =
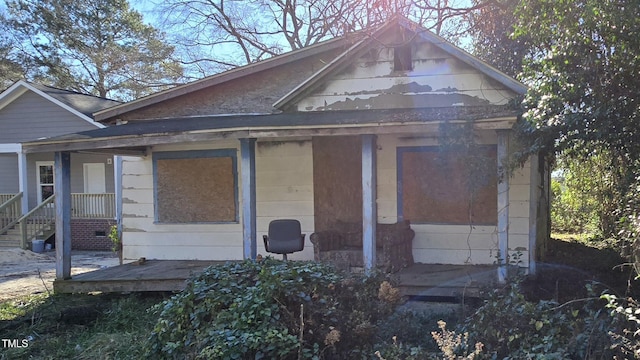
{"type": "Point", "coordinates": [23, 272]}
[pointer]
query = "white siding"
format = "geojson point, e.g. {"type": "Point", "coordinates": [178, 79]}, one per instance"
{"type": "Point", "coordinates": [437, 80]}
{"type": "Point", "coordinates": [142, 237]}
{"type": "Point", "coordinates": [453, 244]}
{"type": "Point", "coordinates": [284, 189]}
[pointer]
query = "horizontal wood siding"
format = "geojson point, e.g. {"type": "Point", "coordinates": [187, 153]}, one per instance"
{"type": "Point", "coordinates": [284, 189]}
{"type": "Point", "coordinates": [30, 117]}
{"type": "Point", "coordinates": [143, 237]}
{"type": "Point", "coordinates": [453, 244]}
{"type": "Point", "coordinates": [9, 174]}
{"type": "Point", "coordinates": [436, 80]}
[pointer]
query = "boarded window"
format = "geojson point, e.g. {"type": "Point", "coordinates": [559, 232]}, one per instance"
{"type": "Point", "coordinates": [196, 186]}
{"type": "Point", "coordinates": [436, 187]}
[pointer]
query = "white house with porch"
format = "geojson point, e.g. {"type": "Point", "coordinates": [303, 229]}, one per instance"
{"type": "Point", "coordinates": [365, 129]}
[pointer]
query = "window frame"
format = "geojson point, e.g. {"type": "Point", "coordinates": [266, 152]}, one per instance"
{"type": "Point", "coordinates": [196, 154]}
{"type": "Point", "coordinates": [400, 151]}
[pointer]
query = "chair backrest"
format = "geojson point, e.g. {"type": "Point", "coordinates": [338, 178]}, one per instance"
{"type": "Point", "coordinates": [285, 236]}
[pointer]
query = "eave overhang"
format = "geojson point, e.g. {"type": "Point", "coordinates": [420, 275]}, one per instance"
{"type": "Point", "coordinates": [135, 137]}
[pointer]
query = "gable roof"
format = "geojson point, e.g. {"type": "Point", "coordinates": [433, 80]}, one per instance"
{"type": "Point", "coordinates": [229, 75]}
{"type": "Point", "coordinates": [364, 45]}
{"type": "Point", "coordinates": [81, 105]}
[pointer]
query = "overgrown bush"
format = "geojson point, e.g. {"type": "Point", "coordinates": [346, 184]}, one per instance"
{"type": "Point", "coordinates": [511, 327]}
{"type": "Point", "coordinates": [253, 310]}
{"type": "Point", "coordinates": [412, 327]}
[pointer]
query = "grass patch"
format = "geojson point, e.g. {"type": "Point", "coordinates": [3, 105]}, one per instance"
{"type": "Point", "coordinates": [77, 326]}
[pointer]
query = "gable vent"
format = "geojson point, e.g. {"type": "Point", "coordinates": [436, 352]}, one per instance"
{"type": "Point", "coordinates": [402, 60]}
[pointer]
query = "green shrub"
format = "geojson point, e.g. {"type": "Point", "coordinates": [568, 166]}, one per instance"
{"type": "Point", "coordinates": [511, 327]}
{"type": "Point", "coordinates": [413, 327]}
{"type": "Point", "coordinates": [252, 310]}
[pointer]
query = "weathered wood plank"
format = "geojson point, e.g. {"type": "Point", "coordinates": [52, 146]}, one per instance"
{"type": "Point", "coordinates": [152, 275]}
{"type": "Point", "coordinates": [503, 203]}
{"type": "Point", "coordinates": [23, 181]}
{"type": "Point", "coordinates": [369, 208]}
{"type": "Point", "coordinates": [62, 175]}
{"type": "Point", "coordinates": [248, 175]}
{"type": "Point", "coordinates": [535, 189]}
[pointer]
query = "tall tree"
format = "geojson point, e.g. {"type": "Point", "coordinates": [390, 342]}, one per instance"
{"type": "Point", "coordinates": [215, 35]}
{"type": "Point", "coordinates": [11, 69]}
{"type": "Point", "coordinates": [492, 28]}
{"type": "Point", "coordinates": [93, 46]}
{"type": "Point", "coordinates": [584, 87]}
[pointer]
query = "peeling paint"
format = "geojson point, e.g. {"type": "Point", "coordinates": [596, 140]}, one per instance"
{"type": "Point", "coordinates": [128, 229]}
{"type": "Point", "coordinates": [412, 87]}
{"type": "Point", "coordinates": [128, 201]}
{"type": "Point", "coordinates": [394, 101]}
{"type": "Point", "coordinates": [448, 89]}
{"type": "Point", "coordinates": [134, 216]}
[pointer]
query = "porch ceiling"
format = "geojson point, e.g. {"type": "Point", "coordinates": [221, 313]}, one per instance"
{"type": "Point", "coordinates": [135, 136]}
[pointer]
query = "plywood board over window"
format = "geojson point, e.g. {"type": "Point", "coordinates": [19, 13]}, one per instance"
{"type": "Point", "coordinates": [447, 187]}
{"type": "Point", "coordinates": [196, 186]}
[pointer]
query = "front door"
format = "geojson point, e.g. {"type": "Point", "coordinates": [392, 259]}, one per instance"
{"type": "Point", "coordinates": [44, 175]}
{"type": "Point", "coordinates": [94, 178]}
{"type": "Point", "coordinates": [94, 183]}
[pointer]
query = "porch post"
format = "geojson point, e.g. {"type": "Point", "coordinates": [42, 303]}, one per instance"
{"type": "Point", "coordinates": [248, 175]}
{"type": "Point", "coordinates": [23, 181]}
{"type": "Point", "coordinates": [117, 182]}
{"type": "Point", "coordinates": [62, 173]}
{"type": "Point", "coordinates": [369, 195]}
{"type": "Point", "coordinates": [534, 198]}
{"type": "Point", "coordinates": [503, 203]}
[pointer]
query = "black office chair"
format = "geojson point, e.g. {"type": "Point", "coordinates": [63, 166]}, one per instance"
{"type": "Point", "coordinates": [285, 237]}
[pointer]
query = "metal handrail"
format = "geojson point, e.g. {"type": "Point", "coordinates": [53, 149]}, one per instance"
{"type": "Point", "coordinates": [10, 212]}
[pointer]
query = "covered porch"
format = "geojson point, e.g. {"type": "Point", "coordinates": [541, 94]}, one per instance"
{"type": "Point", "coordinates": [418, 280]}
{"type": "Point", "coordinates": [248, 132]}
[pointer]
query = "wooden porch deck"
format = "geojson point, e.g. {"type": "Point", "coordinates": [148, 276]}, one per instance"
{"type": "Point", "coordinates": [422, 280]}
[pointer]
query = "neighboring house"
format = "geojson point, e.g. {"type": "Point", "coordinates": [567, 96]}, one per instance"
{"type": "Point", "coordinates": [347, 130]}
{"type": "Point", "coordinates": [30, 112]}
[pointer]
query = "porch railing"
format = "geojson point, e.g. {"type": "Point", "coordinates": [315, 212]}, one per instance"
{"type": "Point", "coordinates": [38, 222]}
{"type": "Point", "coordinates": [6, 197]}
{"type": "Point", "coordinates": [10, 211]}
{"type": "Point", "coordinates": [93, 206]}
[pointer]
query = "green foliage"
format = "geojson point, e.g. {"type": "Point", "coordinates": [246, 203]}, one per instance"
{"type": "Point", "coordinates": [100, 47]}
{"type": "Point", "coordinates": [492, 26]}
{"type": "Point", "coordinates": [253, 309]}
{"type": "Point", "coordinates": [582, 102]}
{"type": "Point", "coordinates": [114, 236]}
{"type": "Point", "coordinates": [511, 327]}
{"type": "Point", "coordinates": [77, 326]}
{"type": "Point", "coordinates": [410, 326]}
{"type": "Point", "coordinates": [626, 340]}
{"type": "Point", "coordinates": [399, 351]}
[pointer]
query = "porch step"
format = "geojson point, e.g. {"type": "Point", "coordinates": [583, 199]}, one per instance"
{"type": "Point", "coordinates": [445, 281]}
{"type": "Point", "coordinates": [11, 238]}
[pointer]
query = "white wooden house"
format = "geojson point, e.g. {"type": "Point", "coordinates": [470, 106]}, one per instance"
{"type": "Point", "coordinates": [347, 130]}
